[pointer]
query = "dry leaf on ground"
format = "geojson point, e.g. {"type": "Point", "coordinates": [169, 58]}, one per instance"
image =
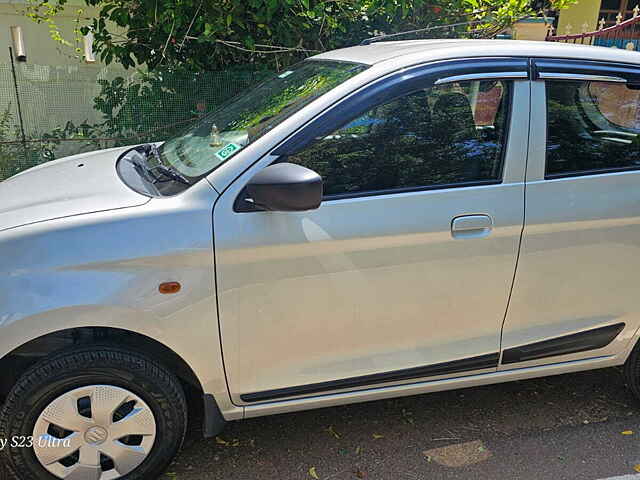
{"type": "Point", "coordinates": [331, 431]}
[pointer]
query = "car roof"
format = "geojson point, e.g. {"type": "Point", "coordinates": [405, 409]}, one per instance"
{"type": "Point", "coordinates": [411, 52]}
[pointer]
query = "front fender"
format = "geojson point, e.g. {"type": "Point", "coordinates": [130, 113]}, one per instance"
{"type": "Point", "coordinates": [103, 270]}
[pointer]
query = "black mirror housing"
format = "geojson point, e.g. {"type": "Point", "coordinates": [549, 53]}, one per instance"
{"type": "Point", "coordinates": [286, 187]}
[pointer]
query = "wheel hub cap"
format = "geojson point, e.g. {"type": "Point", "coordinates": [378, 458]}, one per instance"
{"type": "Point", "coordinates": [98, 432]}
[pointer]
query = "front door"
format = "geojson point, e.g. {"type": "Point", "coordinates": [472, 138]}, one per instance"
{"type": "Point", "coordinates": [405, 270]}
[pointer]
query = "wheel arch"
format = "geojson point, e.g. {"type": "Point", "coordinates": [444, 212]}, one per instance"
{"type": "Point", "coordinates": [21, 358]}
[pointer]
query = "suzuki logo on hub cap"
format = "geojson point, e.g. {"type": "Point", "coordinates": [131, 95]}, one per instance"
{"type": "Point", "coordinates": [96, 435]}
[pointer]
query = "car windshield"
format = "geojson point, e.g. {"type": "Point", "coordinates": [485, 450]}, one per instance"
{"type": "Point", "coordinates": [226, 131]}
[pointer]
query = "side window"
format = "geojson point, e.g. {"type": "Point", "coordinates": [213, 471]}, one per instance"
{"type": "Point", "coordinates": [448, 135]}
{"type": "Point", "coordinates": [592, 127]}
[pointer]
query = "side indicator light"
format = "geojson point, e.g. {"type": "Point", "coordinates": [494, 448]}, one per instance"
{"type": "Point", "coordinates": [167, 288]}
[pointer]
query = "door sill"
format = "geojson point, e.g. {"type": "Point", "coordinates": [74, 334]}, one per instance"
{"type": "Point", "coordinates": [472, 380]}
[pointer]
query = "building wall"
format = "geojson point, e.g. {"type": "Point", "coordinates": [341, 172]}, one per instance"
{"type": "Point", "coordinates": [41, 49]}
{"type": "Point", "coordinates": [584, 11]}
{"type": "Point", "coordinates": [55, 84]}
{"type": "Point", "coordinates": [531, 29]}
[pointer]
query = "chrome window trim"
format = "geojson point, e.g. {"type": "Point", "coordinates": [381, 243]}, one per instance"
{"type": "Point", "coordinates": [481, 76]}
{"type": "Point", "coordinates": [580, 77]}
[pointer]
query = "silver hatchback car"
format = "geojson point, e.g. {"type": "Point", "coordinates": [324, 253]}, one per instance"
{"type": "Point", "coordinates": [382, 220]}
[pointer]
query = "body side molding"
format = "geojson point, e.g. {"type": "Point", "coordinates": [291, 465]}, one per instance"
{"type": "Point", "coordinates": [577, 342]}
{"type": "Point", "coordinates": [456, 366]}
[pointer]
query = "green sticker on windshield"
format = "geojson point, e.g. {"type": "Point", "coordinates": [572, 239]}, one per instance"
{"type": "Point", "coordinates": [228, 150]}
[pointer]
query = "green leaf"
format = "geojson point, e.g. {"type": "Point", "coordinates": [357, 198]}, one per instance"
{"type": "Point", "coordinates": [250, 43]}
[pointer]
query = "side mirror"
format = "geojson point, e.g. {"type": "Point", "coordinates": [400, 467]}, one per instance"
{"type": "Point", "coordinates": [286, 187]}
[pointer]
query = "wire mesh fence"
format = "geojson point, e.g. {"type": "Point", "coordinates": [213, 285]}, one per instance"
{"type": "Point", "coordinates": [48, 112]}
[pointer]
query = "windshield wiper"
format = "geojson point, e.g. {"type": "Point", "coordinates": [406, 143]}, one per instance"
{"type": "Point", "coordinates": [139, 165]}
{"type": "Point", "coordinates": [169, 172]}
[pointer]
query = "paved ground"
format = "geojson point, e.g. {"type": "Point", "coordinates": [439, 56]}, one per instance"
{"type": "Point", "coordinates": [565, 427]}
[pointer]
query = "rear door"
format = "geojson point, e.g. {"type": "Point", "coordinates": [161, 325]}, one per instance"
{"type": "Point", "coordinates": [576, 290]}
{"type": "Point", "coordinates": [404, 272]}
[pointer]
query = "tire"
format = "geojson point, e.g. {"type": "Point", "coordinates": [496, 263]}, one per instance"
{"type": "Point", "coordinates": [105, 375]}
{"type": "Point", "coordinates": [632, 371]}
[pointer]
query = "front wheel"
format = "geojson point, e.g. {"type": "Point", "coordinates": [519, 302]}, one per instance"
{"type": "Point", "coordinates": [93, 413]}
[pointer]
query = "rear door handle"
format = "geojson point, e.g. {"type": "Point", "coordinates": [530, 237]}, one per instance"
{"type": "Point", "coordinates": [471, 226]}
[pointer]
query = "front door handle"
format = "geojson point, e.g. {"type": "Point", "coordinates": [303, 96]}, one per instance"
{"type": "Point", "coordinates": [471, 226]}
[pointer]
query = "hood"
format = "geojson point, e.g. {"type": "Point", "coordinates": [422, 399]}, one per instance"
{"type": "Point", "coordinates": [84, 183]}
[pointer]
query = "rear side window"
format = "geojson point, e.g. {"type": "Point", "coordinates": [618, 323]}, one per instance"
{"type": "Point", "coordinates": [593, 127]}
{"type": "Point", "coordinates": [449, 135]}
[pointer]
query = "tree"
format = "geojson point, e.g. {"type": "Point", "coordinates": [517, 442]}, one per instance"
{"type": "Point", "coordinates": [200, 34]}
